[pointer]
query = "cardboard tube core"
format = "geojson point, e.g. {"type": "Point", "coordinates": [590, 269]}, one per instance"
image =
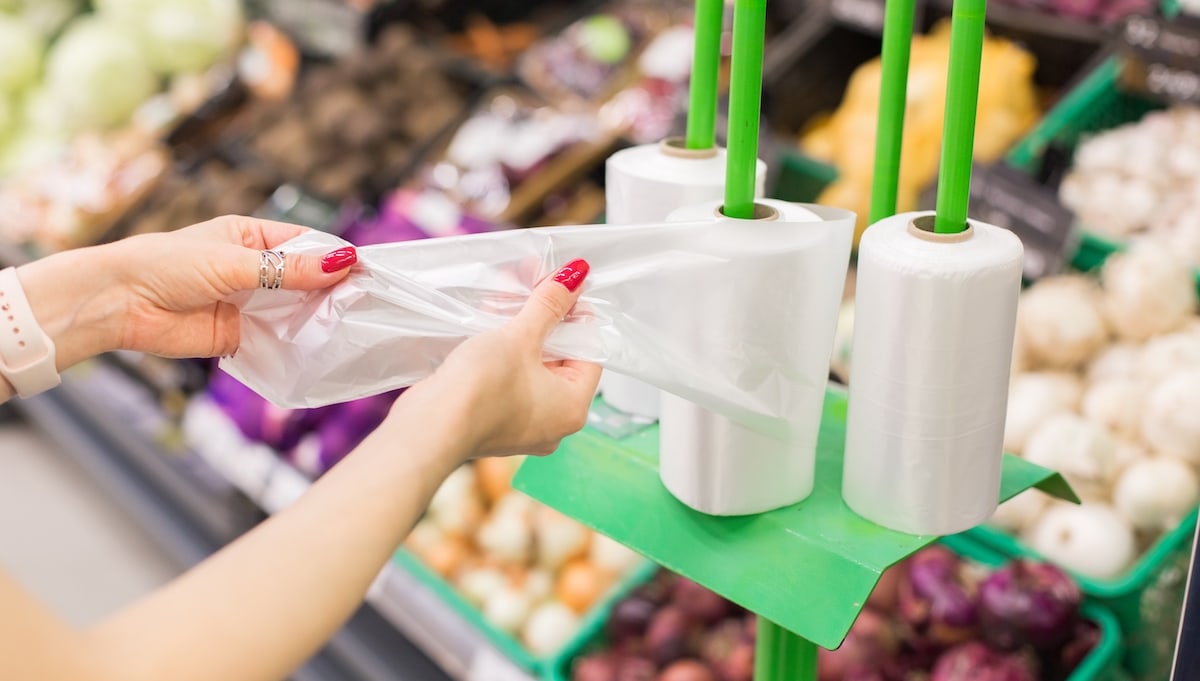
{"type": "Point", "coordinates": [761, 212]}
{"type": "Point", "coordinates": [677, 147]}
{"type": "Point", "coordinates": [922, 228]}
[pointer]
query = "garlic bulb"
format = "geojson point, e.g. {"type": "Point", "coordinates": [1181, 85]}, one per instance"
{"type": "Point", "coordinates": [1171, 419]}
{"type": "Point", "coordinates": [1060, 322]}
{"type": "Point", "coordinates": [1083, 452]}
{"type": "Point", "coordinates": [1032, 398]}
{"type": "Point", "coordinates": [1092, 539]}
{"type": "Point", "coordinates": [1147, 292]}
{"type": "Point", "coordinates": [1155, 494]}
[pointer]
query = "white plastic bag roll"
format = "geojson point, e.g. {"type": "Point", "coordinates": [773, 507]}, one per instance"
{"type": "Point", "coordinates": [645, 184]}
{"type": "Point", "coordinates": [721, 467]}
{"type": "Point", "coordinates": [933, 333]}
{"type": "Point", "coordinates": [405, 306]}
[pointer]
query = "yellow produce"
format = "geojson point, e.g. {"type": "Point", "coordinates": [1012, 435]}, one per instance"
{"type": "Point", "coordinates": [846, 139]}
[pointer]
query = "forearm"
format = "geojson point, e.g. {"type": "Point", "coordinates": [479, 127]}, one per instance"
{"type": "Point", "coordinates": [259, 608]}
{"type": "Point", "coordinates": [73, 297]}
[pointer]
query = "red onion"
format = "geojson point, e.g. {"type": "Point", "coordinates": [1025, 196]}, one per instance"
{"type": "Point", "coordinates": [886, 593]}
{"type": "Point", "coordinates": [1028, 603]}
{"type": "Point", "coordinates": [936, 604]}
{"type": "Point", "coordinates": [1084, 639]}
{"type": "Point", "coordinates": [720, 641]}
{"type": "Point", "coordinates": [871, 641]}
{"type": "Point", "coordinates": [974, 661]}
{"type": "Point", "coordinates": [630, 618]}
{"type": "Point", "coordinates": [687, 670]}
{"type": "Point", "coordinates": [600, 667]}
{"type": "Point", "coordinates": [739, 666]}
{"type": "Point", "coordinates": [698, 603]}
{"type": "Point", "coordinates": [667, 637]}
{"type": "Point", "coordinates": [636, 669]}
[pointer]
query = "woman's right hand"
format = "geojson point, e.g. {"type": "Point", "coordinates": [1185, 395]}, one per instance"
{"type": "Point", "coordinates": [511, 401]}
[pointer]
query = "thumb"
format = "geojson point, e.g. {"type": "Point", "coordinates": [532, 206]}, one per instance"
{"type": "Point", "coordinates": [553, 299]}
{"type": "Point", "coordinates": [300, 272]}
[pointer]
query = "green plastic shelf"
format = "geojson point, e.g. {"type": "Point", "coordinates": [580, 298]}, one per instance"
{"type": "Point", "coordinates": [808, 567]}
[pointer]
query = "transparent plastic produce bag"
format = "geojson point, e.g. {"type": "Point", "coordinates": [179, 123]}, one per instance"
{"type": "Point", "coordinates": [654, 306]}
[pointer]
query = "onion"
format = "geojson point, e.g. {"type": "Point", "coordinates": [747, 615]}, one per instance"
{"type": "Point", "coordinates": [1171, 419]}
{"type": "Point", "coordinates": [1092, 539]}
{"type": "Point", "coordinates": [974, 661]}
{"type": "Point", "coordinates": [1032, 398]}
{"type": "Point", "coordinates": [454, 506]}
{"type": "Point", "coordinates": [667, 636]}
{"type": "Point", "coordinates": [885, 595]}
{"type": "Point", "coordinates": [595, 667]}
{"type": "Point", "coordinates": [558, 537]}
{"type": "Point", "coordinates": [937, 606]}
{"type": "Point", "coordinates": [446, 556]}
{"type": "Point", "coordinates": [580, 585]}
{"type": "Point", "coordinates": [495, 476]}
{"type": "Point", "coordinates": [1084, 453]}
{"type": "Point", "coordinates": [1162, 357]}
{"type": "Point", "coordinates": [872, 639]}
{"type": "Point", "coordinates": [630, 618]}
{"type": "Point", "coordinates": [549, 628]}
{"type": "Point", "coordinates": [1155, 494]}
{"type": "Point", "coordinates": [1119, 360]}
{"type": "Point", "coordinates": [698, 603]}
{"type": "Point", "coordinates": [612, 556]}
{"type": "Point", "coordinates": [687, 670]}
{"type": "Point", "coordinates": [1027, 603]}
{"type": "Point", "coordinates": [1147, 292]}
{"type": "Point", "coordinates": [507, 609]}
{"type": "Point", "coordinates": [479, 583]}
{"type": "Point", "coordinates": [506, 536]}
{"type": "Point", "coordinates": [1060, 322]}
{"type": "Point", "coordinates": [1116, 405]}
{"type": "Point", "coordinates": [1016, 513]}
{"type": "Point", "coordinates": [636, 668]}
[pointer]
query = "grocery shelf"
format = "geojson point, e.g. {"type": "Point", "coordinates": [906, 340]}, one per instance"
{"type": "Point", "coordinates": [462, 651]}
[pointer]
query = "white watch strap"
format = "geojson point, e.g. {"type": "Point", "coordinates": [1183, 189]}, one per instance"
{"type": "Point", "coordinates": [26, 352]}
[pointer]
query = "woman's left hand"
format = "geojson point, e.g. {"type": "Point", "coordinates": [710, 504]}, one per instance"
{"type": "Point", "coordinates": [165, 294]}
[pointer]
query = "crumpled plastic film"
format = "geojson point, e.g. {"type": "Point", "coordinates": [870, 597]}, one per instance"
{"type": "Point", "coordinates": [406, 305]}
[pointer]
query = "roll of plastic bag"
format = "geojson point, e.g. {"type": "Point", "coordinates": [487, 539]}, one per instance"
{"type": "Point", "coordinates": [645, 184]}
{"type": "Point", "coordinates": [405, 306]}
{"type": "Point", "coordinates": [933, 333]}
{"type": "Point", "coordinates": [721, 467]}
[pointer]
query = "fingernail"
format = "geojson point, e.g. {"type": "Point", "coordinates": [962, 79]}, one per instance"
{"type": "Point", "coordinates": [336, 261]}
{"type": "Point", "coordinates": [573, 274]}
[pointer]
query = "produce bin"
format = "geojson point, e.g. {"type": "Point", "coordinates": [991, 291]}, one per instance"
{"type": "Point", "coordinates": [589, 625]}
{"type": "Point", "coordinates": [1146, 600]}
{"type": "Point", "coordinates": [1101, 664]}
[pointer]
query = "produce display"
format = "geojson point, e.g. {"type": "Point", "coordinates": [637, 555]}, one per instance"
{"type": "Point", "coordinates": [846, 140]}
{"type": "Point", "coordinates": [934, 616]}
{"type": "Point", "coordinates": [1139, 181]}
{"type": "Point", "coordinates": [65, 71]}
{"type": "Point", "coordinates": [531, 571]}
{"type": "Point", "coordinates": [1105, 383]}
{"type": "Point", "coordinates": [358, 121]}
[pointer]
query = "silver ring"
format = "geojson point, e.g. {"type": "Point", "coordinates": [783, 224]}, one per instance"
{"type": "Point", "coordinates": [270, 269]}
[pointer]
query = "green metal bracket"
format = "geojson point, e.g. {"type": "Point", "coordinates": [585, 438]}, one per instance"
{"type": "Point", "coordinates": [807, 568]}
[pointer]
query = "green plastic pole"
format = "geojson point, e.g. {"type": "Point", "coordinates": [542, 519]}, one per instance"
{"type": "Point", "coordinates": [745, 94]}
{"type": "Point", "coordinates": [780, 655]}
{"type": "Point", "coordinates": [893, 91]}
{"type": "Point", "coordinates": [706, 65]}
{"type": "Point", "coordinates": [962, 99]}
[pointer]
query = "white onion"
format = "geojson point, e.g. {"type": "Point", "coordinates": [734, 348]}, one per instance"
{"type": "Point", "coordinates": [1032, 398]}
{"type": "Point", "coordinates": [1118, 360]}
{"type": "Point", "coordinates": [549, 628]}
{"type": "Point", "coordinates": [1155, 494]}
{"type": "Point", "coordinates": [1165, 355]}
{"type": "Point", "coordinates": [1083, 452]}
{"type": "Point", "coordinates": [1147, 292]}
{"type": "Point", "coordinates": [559, 538]}
{"type": "Point", "coordinates": [1171, 419]}
{"type": "Point", "coordinates": [612, 556]}
{"type": "Point", "coordinates": [1115, 404]}
{"type": "Point", "coordinates": [1016, 513]}
{"type": "Point", "coordinates": [478, 584]}
{"type": "Point", "coordinates": [1091, 539]}
{"type": "Point", "coordinates": [507, 609]}
{"type": "Point", "coordinates": [1060, 322]}
{"type": "Point", "coordinates": [507, 537]}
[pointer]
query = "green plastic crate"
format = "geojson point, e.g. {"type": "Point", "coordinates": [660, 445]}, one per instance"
{"type": "Point", "coordinates": [1146, 600]}
{"type": "Point", "coordinates": [509, 646]}
{"type": "Point", "coordinates": [1102, 664]}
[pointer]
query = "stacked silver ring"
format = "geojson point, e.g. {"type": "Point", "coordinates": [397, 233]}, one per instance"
{"type": "Point", "coordinates": [270, 269]}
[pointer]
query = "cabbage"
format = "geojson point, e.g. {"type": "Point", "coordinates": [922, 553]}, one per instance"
{"type": "Point", "coordinates": [21, 50]}
{"type": "Point", "coordinates": [97, 74]}
{"type": "Point", "coordinates": [180, 35]}
{"type": "Point", "coordinates": [45, 16]}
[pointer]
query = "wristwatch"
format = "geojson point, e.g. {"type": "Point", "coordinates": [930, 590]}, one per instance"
{"type": "Point", "coordinates": [26, 352]}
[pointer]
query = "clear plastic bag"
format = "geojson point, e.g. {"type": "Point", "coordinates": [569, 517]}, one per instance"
{"type": "Point", "coordinates": [736, 315]}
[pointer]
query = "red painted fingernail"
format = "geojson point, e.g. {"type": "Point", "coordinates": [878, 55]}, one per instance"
{"type": "Point", "coordinates": [573, 274]}
{"type": "Point", "coordinates": [336, 261]}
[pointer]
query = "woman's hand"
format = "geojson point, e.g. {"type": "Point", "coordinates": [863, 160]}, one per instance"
{"type": "Point", "coordinates": [510, 400]}
{"type": "Point", "coordinates": [165, 293]}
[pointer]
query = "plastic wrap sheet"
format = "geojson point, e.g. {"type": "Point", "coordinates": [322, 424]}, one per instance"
{"type": "Point", "coordinates": [405, 306]}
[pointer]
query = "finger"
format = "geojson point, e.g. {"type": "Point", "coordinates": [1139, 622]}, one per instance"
{"type": "Point", "coordinates": [552, 300]}
{"type": "Point", "coordinates": [252, 232]}
{"type": "Point", "coordinates": [300, 272]}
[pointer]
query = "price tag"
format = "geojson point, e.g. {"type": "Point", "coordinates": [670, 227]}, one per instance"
{"type": "Point", "coordinates": [1004, 196]}
{"type": "Point", "coordinates": [1161, 58]}
{"type": "Point", "coordinates": [866, 15]}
